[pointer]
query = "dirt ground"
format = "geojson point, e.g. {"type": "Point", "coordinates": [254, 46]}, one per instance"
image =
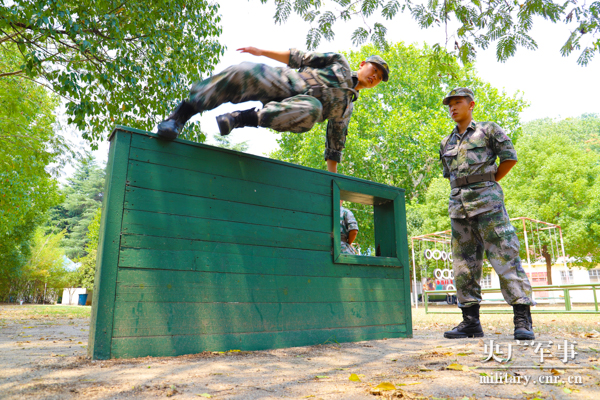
{"type": "Point", "coordinates": [44, 356]}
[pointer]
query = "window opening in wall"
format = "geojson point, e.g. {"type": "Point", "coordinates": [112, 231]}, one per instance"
{"type": "Point", "coordinates": [380, 216]}
{"type": "Point", "coordinates": [537, 278]}
{"type": "Point", "coordinates": [486, 282]}
{"type": "Point", "coordinates": [359, 218]}
{"type": "Point", "coordinates": [594, 275]}
{"type": "Point", "coordinates": [566, 277]}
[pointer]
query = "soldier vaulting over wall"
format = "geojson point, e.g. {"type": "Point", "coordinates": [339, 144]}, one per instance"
{"type": "Point", "coordinates": [323, 88]}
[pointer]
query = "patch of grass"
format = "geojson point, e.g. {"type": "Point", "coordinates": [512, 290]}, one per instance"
{"type": "Point", "coordinates": [44, 312]}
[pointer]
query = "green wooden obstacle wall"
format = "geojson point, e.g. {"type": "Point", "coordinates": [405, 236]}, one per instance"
{"type": "Point", "coordinates": [203, 248]}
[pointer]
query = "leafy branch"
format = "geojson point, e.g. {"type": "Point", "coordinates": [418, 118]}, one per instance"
{"type": "Point", "coordinates": [125, 62]}
{"type": "Point", "coordinates": [478, 23]}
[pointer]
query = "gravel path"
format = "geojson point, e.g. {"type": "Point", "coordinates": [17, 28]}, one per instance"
{"type": "Point", "coordinates": [43, 358]}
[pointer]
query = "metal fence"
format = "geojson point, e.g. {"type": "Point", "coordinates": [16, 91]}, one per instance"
{"type": "Point", "coordinates": [566, 289]}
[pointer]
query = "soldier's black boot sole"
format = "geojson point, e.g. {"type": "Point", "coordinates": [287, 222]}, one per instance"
{"type": "Point", "coordinates": [473, 332]}
{"type": "Point", "coordinates": [237, 119]}
{"type": "Point", "coordinates": [226, 123]}
{"type": "Point", "coordinates": [523, 334]}
{"type": "Point", "coordinates": [470, 327]}
{"type": "Point", "coordinates": [169, 129]}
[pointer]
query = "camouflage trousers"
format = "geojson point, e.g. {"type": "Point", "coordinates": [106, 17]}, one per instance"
{"type": "Point", "coordinates": [286, 108]}
{"type": "Point", "coordinates": [493, 233]}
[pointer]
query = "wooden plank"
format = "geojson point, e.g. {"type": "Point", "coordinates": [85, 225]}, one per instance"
{"type": "Point", "coordinates": [176, 226]}
{"type": "Point", "coordinates": [385, 229]}
{"type": "Point", "coordinates": [236, 165]}
{"type": "Point", "coordinates": [201, 207]}
{"type": "Point", "coordinates": [158, 319]}
{"type": "Point", "coordinates": [103, 303]}
{"type": "Point", "coordinates": [168, 346]}
{"type": "Point", "coordinates": [205, 287]}
{"type": "Point", "coordinates": [336, 220]}
{"type": "Point", "coordinates": [168, 179]}
{"type": "Point", "coordinates": [366, 191]}
{"type": "Point", "coordinates": [166, 146]}
{"type": "Point", "coordinates": [402, 249]}
{"type": "Point", "coordinates": [178, 254]}
{"type": "Point", "coordinates": [358, 260]}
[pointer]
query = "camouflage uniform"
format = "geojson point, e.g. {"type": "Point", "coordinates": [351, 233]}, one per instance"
{"type": "Point", "coordinates": [478, 217]}
{"type": "Point", "coordinates": [347, 223]}
{"type": "Point", "coordinates": [288, 105]}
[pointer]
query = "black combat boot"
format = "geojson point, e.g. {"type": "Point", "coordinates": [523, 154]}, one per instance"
{"type": "Point", "coordinates": [172, 126]}
{"type": "Point", "coordinates": [237, 119]}
{"type": "Point", "coordinates": [469, 327]}
{"type": "Point", "coordinates": [523, 322]}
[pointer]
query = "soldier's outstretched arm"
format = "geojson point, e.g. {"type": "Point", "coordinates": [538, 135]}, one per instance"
{"type": "Point", "coordinates": [281, 56]}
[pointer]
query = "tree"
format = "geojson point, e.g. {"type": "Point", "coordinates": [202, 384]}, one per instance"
{"type": "Point", "coordinates": [83, 195]}
{"type": "Point", "coordinates": [557, 181]}
{"type": "Point", "coordinates": [478, 24]}
{"type": "Point", "coordinates": [28, 147]}
{"type": "Point", "coordinates": [225, 142]}
{"type": "Point", "coordinates": [87, 270]}
{"type": "Point", "coordinates": [396, 127]}
{"type": "Point", "coordinates": [113, 62]}
{"type": "Point", "coordinates": [584, 130]}
{"type": "Point", "coordinates": [43, 275]}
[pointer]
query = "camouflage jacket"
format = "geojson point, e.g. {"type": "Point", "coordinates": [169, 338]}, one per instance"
{"type": "Point", "coordinates": [333, 71]}
{"type": "Point", "coordinates": [475, 152]}
{"type": "Point", "coordinates": [347, 223]}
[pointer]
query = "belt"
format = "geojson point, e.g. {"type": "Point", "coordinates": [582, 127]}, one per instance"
{"type": "Point", "coordinates": [315, 88]}
{"type": "Point", "coordinates": [467, 180]}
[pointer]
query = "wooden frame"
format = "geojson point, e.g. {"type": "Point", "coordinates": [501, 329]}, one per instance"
{"type": "Point", "coordinates": [388, 206]}
{"type": "Point", "coordinates": [208, 249]}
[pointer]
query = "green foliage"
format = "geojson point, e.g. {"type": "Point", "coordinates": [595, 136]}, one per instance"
{"type": "Point", "coordinates": [28, 147]}
{"type": "Point", "coordinates": [225, 142]}
{"type": "Point", "coordinates": [114, 62]}
{"type": "Point", "coordinates": [396, 128]}
{"type": "Point", "coordinates": [87, 270]}
{"type": "Point", "coordinates": [557, 180]}
{"type": "Point", "coordinates": [83, 196]}
{"type": "Point", "coordinates": [506, 23]}
{"type": "Point", "coordinates": [584, 130]}
{"type": "Point", "coordinates": [435, 208]}
{"type": "Point", "coordinates": [43, 276]}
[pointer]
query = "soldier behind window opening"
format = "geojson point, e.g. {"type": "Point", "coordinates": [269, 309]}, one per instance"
{"type": "Point", "coordinates": [478, 217]}
{"type": "Point", "coordinates": [349, 230]}
{"type": "Point", "coordinates": [324, 88]}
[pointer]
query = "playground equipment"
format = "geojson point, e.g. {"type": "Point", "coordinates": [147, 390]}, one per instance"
{"type": "Point", "coordinates": [533, 233]}
{"type": "Point", "coordinates": [207, 249]}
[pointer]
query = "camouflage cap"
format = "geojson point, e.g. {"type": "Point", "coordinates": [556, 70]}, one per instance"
{"type": "Point", "coordinates": [459, 92]}
{"type": "Point", "coordinates": [384, 66]}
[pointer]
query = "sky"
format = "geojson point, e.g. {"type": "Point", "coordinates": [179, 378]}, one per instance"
{"type": "Point", "coordinates": [555, 86]}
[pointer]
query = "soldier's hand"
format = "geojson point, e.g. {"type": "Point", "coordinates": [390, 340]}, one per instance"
{"type": "Point", "coordinates": [252, 50]}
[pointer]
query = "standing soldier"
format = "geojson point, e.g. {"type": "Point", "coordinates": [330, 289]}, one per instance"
{"type": "Point", "coordinates": [349, 230]}
{"type": "Point", "coordinates": [478, 217]}
{"type": "Point", "coordinates": [324, 88]}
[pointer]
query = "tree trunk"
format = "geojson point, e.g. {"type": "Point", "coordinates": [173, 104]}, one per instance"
{"type": "Point", "coordinates": [548, 257]}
